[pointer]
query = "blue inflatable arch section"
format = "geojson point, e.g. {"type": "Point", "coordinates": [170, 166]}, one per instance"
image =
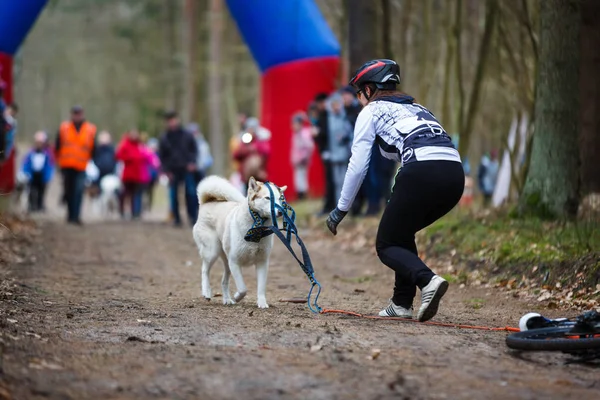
{"type": "Point", "coordinates": [280, 31]}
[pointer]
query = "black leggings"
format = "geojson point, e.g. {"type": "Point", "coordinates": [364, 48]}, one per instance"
{"type": "Point", "coordinates": [37, 189]}
{"type": "Point", "coordinates": [423, 192]}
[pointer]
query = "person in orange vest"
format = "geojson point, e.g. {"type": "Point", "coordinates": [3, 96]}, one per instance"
{"type": "Point", "coordinates": [75, 145]}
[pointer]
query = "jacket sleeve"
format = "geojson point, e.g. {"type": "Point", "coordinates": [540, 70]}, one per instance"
{"type": "Point", "coordinates": [364, 137]}
{"type": "Point", "coordinates": [57, 143]}
{"type": "Point", "coordinates": [94, 147]}
{"type": "Point", "coordinates": [322, 138]}
{"type": "Point", "coordinates": [193, 149]}
{"type": "Point", "coordinates": [48, 168]}
{"type": "Point", "coordinates": [123, 153]}
{"type": "Point", "coordinates": [26, 167]}
{"type": "Point", "coordinates": [163, 154]}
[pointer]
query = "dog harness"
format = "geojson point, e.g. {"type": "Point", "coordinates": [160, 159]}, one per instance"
{"type": "Point", "coordinates": [258, 231]}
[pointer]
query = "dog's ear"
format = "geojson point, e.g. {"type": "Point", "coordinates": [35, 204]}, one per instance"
{"type": "Point", "coordinates": [283, 189]}
{"type": "Point", "coordinates": [253, 184]}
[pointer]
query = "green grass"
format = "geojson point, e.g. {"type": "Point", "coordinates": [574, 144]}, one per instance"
{"type": "Point", "coordinates": [550, 252]}
{"type": "Point", "coordinates": [475, 303]}
{"type": "Point", "coordinates": [506, 240]}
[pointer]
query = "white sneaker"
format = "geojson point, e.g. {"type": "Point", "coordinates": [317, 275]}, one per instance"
{"type": "Point", "coordinates": [393, 310]}
{"type": "Point", "coordinates": [430, 298]}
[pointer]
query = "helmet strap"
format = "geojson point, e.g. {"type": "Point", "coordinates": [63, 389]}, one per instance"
{"type": "Point", "coordinates": [365, 91]}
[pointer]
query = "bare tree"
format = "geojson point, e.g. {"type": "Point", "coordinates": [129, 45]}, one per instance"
{"type": "Point", "coordinates": [216, 134]}
{"type": "Point", "coordinates": [362, 19]}
{"type": "Point", "coordinates": [484, 51]}
{"type": "Point", "coordinates": [190, 35]}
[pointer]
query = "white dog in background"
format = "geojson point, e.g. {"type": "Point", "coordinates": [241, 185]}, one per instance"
{"type": "Point", "coordinates": [223, 221]}
{"type": "Point", "coordinates": [21, 192]}
{"type": "Point", "coordinates": [108, 200]}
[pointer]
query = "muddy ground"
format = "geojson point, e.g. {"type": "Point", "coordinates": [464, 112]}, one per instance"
{"type": "Point", "coordinates": [113, 310]}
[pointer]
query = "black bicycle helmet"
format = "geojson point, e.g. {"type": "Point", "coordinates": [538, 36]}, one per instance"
{"type": "Point", "coordinates": [385, 74]}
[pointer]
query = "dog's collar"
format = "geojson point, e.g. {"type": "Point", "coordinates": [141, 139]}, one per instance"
{"type": "Point", "coordinates": [258, 231]}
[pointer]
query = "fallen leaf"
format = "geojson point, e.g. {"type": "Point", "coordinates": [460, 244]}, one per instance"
{"type": "Point", "coordinates": [293, 300]}
{"type": "Point", "coordinates": [144, 321]}
{"type": "Point", "coordinates": [316, 347]}
{"type": "Point", "coordinates": [12, 321]}
{"type": "Point", "coordinates": [43, 364]}
{"type": "Point", "coordinates": [544, 296]}
{"type": "Point", "coordinates": [375, 353]}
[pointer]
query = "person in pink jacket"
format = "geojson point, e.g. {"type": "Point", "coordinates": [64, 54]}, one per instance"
{"type": "Point", "coordinates": [150, 176]}
{"type": "Point", "coordinates": [302, 150]}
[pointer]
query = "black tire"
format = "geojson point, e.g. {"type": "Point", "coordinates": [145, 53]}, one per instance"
{"type": "Point", "coordinates": [551, 339]}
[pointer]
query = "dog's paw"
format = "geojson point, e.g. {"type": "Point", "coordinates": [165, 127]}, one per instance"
{"type": "Point", "coordinates": [238, 296]}
{"type": "Point", "coordinates": [206, 292]}
{"type": "Point", "coordinates": [228, 301]}
{"type": "Point", "coordinates": [262, 303]}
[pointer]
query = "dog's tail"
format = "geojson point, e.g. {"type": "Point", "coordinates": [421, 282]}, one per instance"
{"type": "Point", "coordinates": [214, 189]}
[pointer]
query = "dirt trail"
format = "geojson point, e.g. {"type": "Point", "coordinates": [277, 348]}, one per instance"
{"type": "Point", "coordinates": [113, 311]}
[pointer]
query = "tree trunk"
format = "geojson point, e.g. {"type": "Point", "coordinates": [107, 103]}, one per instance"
{"type": "Point", "coordinates": [459, 72]}
{"type": "Point", "coordinates": [484, 51]}
{"type": "Point", "coordinates": [589, 143]}
{"type": "Point", "coordinates": [174, 92]}
{"type": "Point", "coordinates": [362, 35]}
{"type": "Point", "coordinates": [386, 29]}
{"type": "Point", "coordinates": [405, 13]}
{"type": "Point", "coordinates": [447, 119]}
{"type": "Point", "coordinates": [425, 44]}
{"type": "Point", "coordinates": [216, 134]}
{"type": "Point", "coordinates": [190, 37]}
{"type": "Point", "coordinates": [551, 188]}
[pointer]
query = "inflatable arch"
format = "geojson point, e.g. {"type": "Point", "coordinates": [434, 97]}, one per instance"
{"type": "Point", "coordinates": [290, 40]}
{"type": "Point", "coordinates": [16, 19]}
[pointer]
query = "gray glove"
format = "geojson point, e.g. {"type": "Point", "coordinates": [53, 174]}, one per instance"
{"type": "Point", "coordinates": [334, 219]}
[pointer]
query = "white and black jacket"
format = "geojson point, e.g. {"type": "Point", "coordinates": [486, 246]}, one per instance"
{"type": "Point", "coordinates": [406, 132]}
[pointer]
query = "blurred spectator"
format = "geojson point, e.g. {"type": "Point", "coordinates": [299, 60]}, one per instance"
{"type": "Point", "coordinates": [339, 142]}
{"type": "Point", "coordinates": [135, 172]}
{"type": "Point", "coordinates": [351, 104]}
{"type": "Point", "coordinates": [104, 157]}
{"type": "Point", "coordinates": [204, 160]}
{"type": "Point", "coordinates": [38, 167]}
{"type": "Point", "coordinates": [75, 147]}
{"type": "Point", "coordinates": [487, 175]}
{"type": "Point", "coordinates": [253, 151]}
{"type": "Point", "coordinates": [302, 149]}
{"type": "Point", "coordinates": [321, 135]}
{"type": "Point", "coordinates": [178, 154]}
{"type": "Point", "coordinates": [154, 168]}
{"type": "Point", "coordinates": [10, 116]}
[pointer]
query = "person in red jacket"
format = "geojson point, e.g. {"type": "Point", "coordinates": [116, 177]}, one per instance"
{"type": "Point", "coordinates": [135, 163]}
{"type": "Point", "coordinates": [252, 153]}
